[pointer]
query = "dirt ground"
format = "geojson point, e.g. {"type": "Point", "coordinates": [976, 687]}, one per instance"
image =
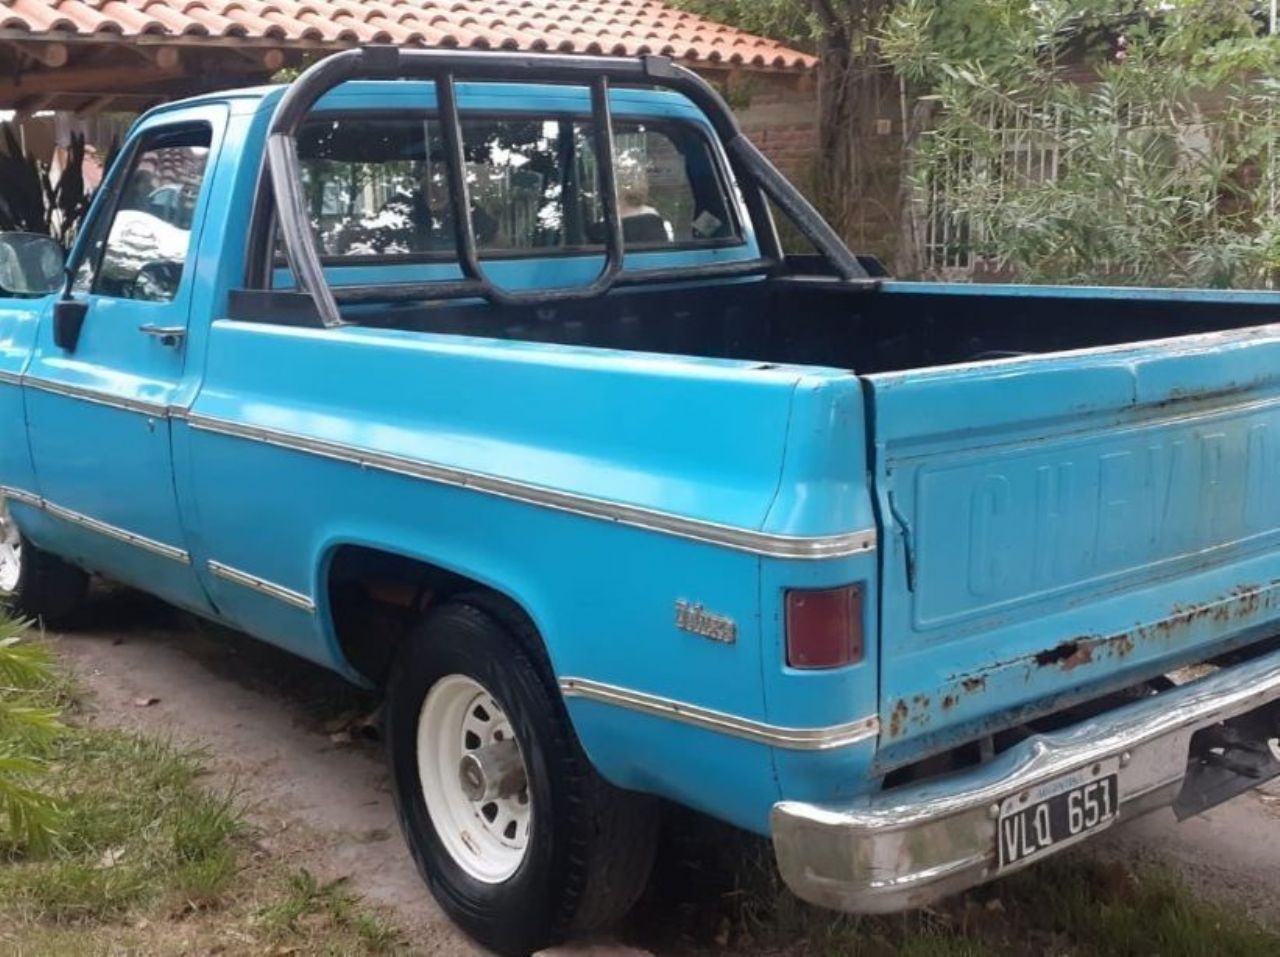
{"type": "Point", "coordinates": [289, 738]}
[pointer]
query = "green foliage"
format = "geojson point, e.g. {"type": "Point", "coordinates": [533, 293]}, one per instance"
{"type": "Point", "coordinates": [31, 201]}
{"type": "Point", "coordinates": [28, 723]}
{"type": "Point", "coordinates": [1161, 168]}
{"type": "Point", "coordinates": [145, 857]}
{"type": "Point", "coordinates": [792, 22]}
{"type": "Point", "coordinates": [1088, 906]}
{"type": "Point", "coordinates": [307, 897]}
{"type": "Point", "coordinates": [135, 827]}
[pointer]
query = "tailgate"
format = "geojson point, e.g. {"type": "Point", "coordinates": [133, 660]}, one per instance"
{"type": "Point", "coordinates": [1060, 526]}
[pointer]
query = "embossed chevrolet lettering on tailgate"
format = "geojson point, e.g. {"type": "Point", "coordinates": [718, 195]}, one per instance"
{"type": "Point", "coordinates": [1046, 516]}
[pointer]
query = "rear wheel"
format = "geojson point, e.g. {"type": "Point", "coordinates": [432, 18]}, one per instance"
{"type": "Point", "coordinates": [520, 841]}
{"type": "Point", "coordinates": [33, 583]}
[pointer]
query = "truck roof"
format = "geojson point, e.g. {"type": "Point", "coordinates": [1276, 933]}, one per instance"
{"type": "Point", "coordinates": [369, 94]}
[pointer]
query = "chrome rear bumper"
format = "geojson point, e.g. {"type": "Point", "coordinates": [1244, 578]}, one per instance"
{"type": "Point", "coordinates": [910, 846]}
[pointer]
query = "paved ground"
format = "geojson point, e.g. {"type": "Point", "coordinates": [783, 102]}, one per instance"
{"type": "Point", "coordinates": [289, 737]}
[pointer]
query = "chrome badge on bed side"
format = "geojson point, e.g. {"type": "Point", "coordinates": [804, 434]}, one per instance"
{"type": "Point", "coordinates": [696, 620]}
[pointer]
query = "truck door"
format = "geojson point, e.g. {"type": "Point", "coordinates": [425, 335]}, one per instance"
{"type": "Point", "coordinates": [99, 412]}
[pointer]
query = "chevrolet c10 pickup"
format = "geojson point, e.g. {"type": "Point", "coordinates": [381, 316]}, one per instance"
{"type": "Point", "coordinates": [484, 380]}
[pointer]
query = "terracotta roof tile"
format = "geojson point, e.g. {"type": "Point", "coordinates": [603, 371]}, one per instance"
{"type": "Point", "coordinates": [622, 27]}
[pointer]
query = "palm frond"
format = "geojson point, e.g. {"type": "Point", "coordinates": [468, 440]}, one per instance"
{"type": "Point", "coordinates": [28, 815]}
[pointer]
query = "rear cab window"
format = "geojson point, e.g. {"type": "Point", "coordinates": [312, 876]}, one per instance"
{"type": "Point", "coordinates": [377, 189]}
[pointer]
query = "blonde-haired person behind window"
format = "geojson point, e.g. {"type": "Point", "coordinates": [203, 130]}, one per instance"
{"type": "Point", "coordinates": [641, 223]}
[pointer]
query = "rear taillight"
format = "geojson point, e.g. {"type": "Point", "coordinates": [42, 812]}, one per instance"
{"type": "Point", "coordinates": [824, 627]}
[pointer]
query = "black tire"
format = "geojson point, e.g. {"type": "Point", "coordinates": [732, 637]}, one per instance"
{"type": "Point", "coordinates": [48, 589]}
{"type": "Point", "coordinates": [591, 845]}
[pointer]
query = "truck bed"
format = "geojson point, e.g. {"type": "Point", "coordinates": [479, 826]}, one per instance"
{"type": "Point", "coordinates": [808, 321]}
{"type": "Point", "coordinates": [1073, 485]}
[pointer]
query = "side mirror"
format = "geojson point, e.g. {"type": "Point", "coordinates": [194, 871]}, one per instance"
{"type": "Point", "coordinates": [68, 320]}
{"type": "Point", "coordinates": [31, 265]}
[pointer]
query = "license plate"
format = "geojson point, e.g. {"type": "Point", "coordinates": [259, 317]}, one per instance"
{"type": "Point", "coordinates": [1049, 816]}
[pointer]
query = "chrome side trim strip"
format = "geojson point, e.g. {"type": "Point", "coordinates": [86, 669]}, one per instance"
{"type": "Point", "coordinates": [261, 585]}
{"type": "Point", "coordinates": [111, 531]}
{"type": "Point", "coordinates": [140, 406]}
{"type": "Point", "coordinates": [18, 495]}
{"type": "Point", "coordinates": [10, 378]}
{"type": "Point", "coordinates": [102, 528]}
{"type": "Point", "coordinates": [741, 539]}
{"type": "Point", "coordinates": [794, 739]}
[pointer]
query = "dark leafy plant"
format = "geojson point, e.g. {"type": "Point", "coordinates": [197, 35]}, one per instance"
{"type": "Point", "coordinates": [28, 815]}
{"type": "Point", "coordinates": [32, 201]}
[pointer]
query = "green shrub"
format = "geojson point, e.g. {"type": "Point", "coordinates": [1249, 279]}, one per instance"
{"type": "Point", "coordinates": [28, 816]}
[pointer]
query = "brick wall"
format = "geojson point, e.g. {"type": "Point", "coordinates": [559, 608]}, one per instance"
{"type": "Point", "coordinates": [785, 126]}
{"type": "Point", "coordinates": [779, 113]}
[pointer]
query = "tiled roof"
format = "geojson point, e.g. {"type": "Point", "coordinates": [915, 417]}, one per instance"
{"type": "Point", "coordinates": [623, 27]}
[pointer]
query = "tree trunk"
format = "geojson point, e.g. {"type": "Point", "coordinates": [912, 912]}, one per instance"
{"type": "Point", "coordinates": [852, 82]}
{"type": "Point", "coordinates": [909, 261]}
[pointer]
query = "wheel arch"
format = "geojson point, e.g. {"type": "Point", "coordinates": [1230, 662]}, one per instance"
{"type": "Point", "coordinates": [371, 589]}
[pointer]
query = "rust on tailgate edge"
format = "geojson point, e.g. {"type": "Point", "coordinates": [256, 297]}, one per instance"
{"type": "Point", "coordinates": [1241, 607]}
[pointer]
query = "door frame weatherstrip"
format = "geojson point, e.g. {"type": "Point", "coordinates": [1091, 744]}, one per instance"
{"type": "Point", "coordinates": [742, 539]}
{"type": "Point", "coordinates": [792, 739]}
{"type": "Point", "coordinates": [262, 586]}
{"type": "Point", "coordinates": [170, 552]}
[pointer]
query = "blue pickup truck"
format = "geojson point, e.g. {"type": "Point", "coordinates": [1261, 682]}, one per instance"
{"type": "Point", "coordinates": [483, 379]}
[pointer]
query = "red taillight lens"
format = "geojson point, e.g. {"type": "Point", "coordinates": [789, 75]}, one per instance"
{"type": "Point", "coordinates": [824, 627]}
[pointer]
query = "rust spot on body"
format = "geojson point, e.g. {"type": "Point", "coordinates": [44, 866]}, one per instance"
{"type": "Point", "coordinates": [897, 718]}
{"type": "Point", "coordinates": [1245, 604]}
{"type": "Point", "coordinates": [1067, 654]}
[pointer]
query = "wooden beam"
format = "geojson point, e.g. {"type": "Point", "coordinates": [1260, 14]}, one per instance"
{"type": "Point", "coordinates": [256, 58]}
{"type": "Point", "coordinates": [33, 104]}
{"type": "Point", "coordinates": [123, 102]}
{"type": "Point", "coordinates": [52, 55]}
{"type": "Point", "coordinates": [102, 80]}
{"type": "Point", "coordinates": [164, 57]}
{"type": "Point", "coordinates": [99, 104]}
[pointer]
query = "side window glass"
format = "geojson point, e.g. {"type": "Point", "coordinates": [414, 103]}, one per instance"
{"type": "Point", "coordinates": [140, 255]}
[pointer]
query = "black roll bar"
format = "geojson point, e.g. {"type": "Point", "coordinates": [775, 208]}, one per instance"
{"type": "Point", "coordinates": [756, 175]}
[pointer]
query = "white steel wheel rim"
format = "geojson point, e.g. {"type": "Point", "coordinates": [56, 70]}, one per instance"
{"type": "Point", "coordinates": [10, 552]}
{"type": "Point", "coordinates": [487, 838]}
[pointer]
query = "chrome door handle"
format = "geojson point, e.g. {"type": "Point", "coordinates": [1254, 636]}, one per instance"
{"type": "Point", "coordinates": [168, 335]}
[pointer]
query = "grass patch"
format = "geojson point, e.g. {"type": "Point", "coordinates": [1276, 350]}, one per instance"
{"type": "Point", "coordinates": [717, 891]}
{"type": "Point", "coordinates": [135, 830]}
{"type": "Point", "coordinates": [308, 905]}
{"type": "Point", "coordinates": [1075, 905]}
{"type": "Point", "coordinates": [145, 859]}
{"type": "Point", "coordinates": [1086, 906]}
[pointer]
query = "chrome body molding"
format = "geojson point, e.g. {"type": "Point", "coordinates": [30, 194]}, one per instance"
{"type": "Point", "coordinates": [912, 845]}
{"type": "Point", "coordinates": [792, 739]}
{"type": "Point", "coordinates": [261, 585]}
{"type": "Point", "coordinates": [18, 495]}
{"type": "Point", "coordinates": [741, 539]}
{"type": "Point", "coordinates": [120, 534]}
{"type": "Point", "coordinates": [102, 528]}
{"type": "Point", "coordinates": [10, 378]}
{"type": "Point", "coordinates": [155, 409]}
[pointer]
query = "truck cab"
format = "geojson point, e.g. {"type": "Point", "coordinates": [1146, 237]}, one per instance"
{"type": "Point", "coordinates": [484, 380]}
